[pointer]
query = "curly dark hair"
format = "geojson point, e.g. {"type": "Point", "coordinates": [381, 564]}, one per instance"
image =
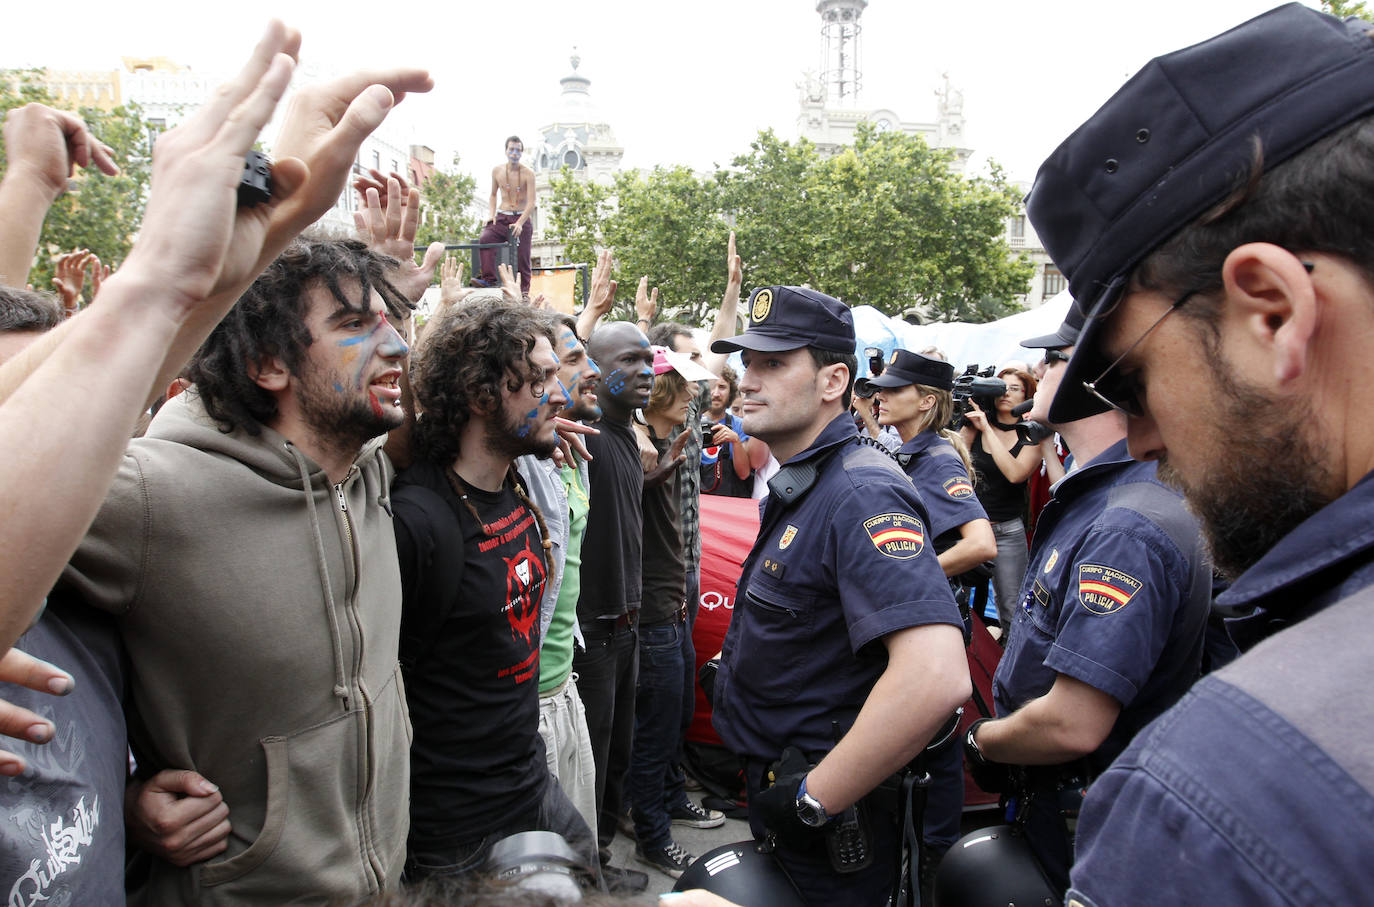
{"type": "Point", "coordinates": [269, 320]}
{"type": "Point", "coordinates": [467, 358]}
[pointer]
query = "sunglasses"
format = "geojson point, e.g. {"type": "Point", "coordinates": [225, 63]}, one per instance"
{"type": "Point", "coordinates": [1123, 392]}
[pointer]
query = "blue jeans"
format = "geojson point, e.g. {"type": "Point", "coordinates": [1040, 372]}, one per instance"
{"type": "Point", "coordinates": [658, 730]}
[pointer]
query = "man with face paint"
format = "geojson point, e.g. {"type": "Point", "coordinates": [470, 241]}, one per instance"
{"type": "Point", "coordinates": [247, 549]}
{"type": "Point", "coordinates": [562, 717]}
{"type": "Point", "coordinates": [512, 184]}
{"type": "Point", "coordinates": [476, 557]}
{"type": "Point", "coordinates": [609, 598]}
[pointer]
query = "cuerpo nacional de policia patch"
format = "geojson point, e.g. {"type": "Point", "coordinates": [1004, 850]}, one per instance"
{"type": "Point", "coordinates": [898, 535]}
{"type": "Point", "coordinates": [763, 304]}
{"type": "Point", "coordinates": [1103, 590]}
{"type": "Point", "coordinates": [958, 488]}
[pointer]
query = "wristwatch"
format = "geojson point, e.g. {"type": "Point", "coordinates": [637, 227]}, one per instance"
{"type": "Point", "coordinates": [971, 746]}
{"type": "Point", "coordinates": [809, 809]}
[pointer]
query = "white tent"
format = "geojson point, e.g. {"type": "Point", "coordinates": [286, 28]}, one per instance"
{"type": "Point", "coordinates": [994, 343]}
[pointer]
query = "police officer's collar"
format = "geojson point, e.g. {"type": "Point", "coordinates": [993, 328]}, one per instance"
{"type": "Point", "coordinates": [1338, 532]}
{"type": "Point", "coordinates": [837, 431]}
{"type": "Point", "coordinates": [922, 442]}
{"type": "Point", "coordinates": [1082, 477]}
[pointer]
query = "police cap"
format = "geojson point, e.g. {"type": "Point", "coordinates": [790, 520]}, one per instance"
{"type": "Point", "coordinates": [1173, 141]}
{"type": "Point", "coordinates": [789, 318]}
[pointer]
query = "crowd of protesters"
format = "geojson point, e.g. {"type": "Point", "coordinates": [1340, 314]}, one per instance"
{"type": "Point", "coordinates": [364, 604]}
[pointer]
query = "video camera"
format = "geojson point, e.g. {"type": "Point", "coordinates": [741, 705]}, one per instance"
{"type": "Point", "coordinates": [983, 389]}
{"type": "Point", "coordinates": [980, 387]}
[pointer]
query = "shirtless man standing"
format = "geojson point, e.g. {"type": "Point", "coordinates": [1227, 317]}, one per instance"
{"type": "Point", "coordinates": [515, 183]}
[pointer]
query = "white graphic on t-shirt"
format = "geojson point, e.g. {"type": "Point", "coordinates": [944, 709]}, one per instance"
{"type": "Point", "coordinates": [64, 844]}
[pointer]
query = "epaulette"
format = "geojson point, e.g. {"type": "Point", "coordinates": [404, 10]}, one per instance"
{"type": "Point", "coordinates": [868, 441]}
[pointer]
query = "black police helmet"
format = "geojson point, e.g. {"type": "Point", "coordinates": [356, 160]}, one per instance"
{"type": "Point", "coordinates": [992, 867]}
{"type": "Point", "coordinates": [739, 873]}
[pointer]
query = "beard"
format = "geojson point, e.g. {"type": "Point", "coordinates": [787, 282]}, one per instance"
{"type": "Point", "coordinates": [514, 436]}
{"type": "Point", "coordinates": [1270, 478]}
{"type": "Point", "coordinates": [340, 419]}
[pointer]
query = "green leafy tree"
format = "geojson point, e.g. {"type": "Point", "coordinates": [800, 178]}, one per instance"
{"type": "Point", "coordinates": [1344, 8]}
{"type": "Point", "coordinates": [447, 202]}
{"type": "Point", "coordinates": [577, 212]}
{"type": "Point", "coordinates": [885, 222]}
{"type": "Point", "coordinates": [668, 227]}
{"type": "Point", "coordinates": [98, 212]}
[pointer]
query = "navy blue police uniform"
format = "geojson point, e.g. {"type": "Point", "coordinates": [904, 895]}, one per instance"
{"type": "Point", "coordinates": [1257, 788]}
{"type": "Point", "coordinates": [843, 559]}
{"type": "Point", "coordinates": [939, 474]}
{"type": "Point", "coordinates": [1116, 596]}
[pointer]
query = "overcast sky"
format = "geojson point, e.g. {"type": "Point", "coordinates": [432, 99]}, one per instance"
{"type": "Point", "coordinates": [679, 82]}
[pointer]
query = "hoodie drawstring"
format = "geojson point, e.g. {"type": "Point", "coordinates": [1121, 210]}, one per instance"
{"type": "Point", "coordinates": [340, 680]}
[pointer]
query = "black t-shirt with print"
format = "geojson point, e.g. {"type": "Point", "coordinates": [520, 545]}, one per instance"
{"type": "Point", "coordinates": [477, 758]}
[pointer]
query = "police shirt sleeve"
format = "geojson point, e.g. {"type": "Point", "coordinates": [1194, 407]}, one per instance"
{"type": "Point", "coordinates": [885, 565]}
{"type": "Point", "coordinates": [1120, 595]}
{"type": "Point", "coordinates": [948, 494]}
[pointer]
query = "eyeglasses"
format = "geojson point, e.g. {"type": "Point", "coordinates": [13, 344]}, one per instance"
{"type": "Point", "coordinates": [1122, 392]}
{"type": "Point", "coordinates": [1053, 356]}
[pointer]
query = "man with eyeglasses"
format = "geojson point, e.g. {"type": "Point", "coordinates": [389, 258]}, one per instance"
{"type": "Point", "coordinates": [1109, 629]}
{"type": "Point", "coordinates": [475, 557]}
{"type": "Point", "coordinates": [1213, 218]}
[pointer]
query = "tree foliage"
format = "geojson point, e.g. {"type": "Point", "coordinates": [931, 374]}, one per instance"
{"type": "Point", "coordinates": [98, 212]}
{"type": "Point", "coordinates": [1345, 8]}
{"type": "Point", "coordinates": [447, 200]}
{"type": "Point", "coordinates": [885, 222]}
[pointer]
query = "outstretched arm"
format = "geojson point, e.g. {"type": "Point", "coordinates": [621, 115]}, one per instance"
{"type": "Point", "coordinates": [601, 297]}
{"type": "Point", "coordinates": [729, 308]}
{"type": "Point", "coordinates": [42, 147]}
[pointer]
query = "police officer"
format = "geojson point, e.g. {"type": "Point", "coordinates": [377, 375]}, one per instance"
{"type": "Point", "coordinates": [1213, 215]}
{"type": "Point", "coordinates": [844, 655]}
{"type": "Point", "coordinates": [915, 396]}
{"type": "Point", "coordinates": [1109, 630]}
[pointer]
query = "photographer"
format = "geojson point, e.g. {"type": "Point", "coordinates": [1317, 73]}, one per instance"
{"type": "Point", "coordinates": [1002, 463]}
{"type": "Point", "coordinates": [914, 397]}
{"type": "Point", "coordinates": [730, 470]}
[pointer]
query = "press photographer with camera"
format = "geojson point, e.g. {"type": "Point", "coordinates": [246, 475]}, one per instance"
{"type": "Point", "coordinates": [1002, 462]}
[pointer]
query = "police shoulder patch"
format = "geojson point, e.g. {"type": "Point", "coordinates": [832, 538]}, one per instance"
{"type": "Point", "coordinates": [898, 535]}
{"type": "Point", "coordinates": [958, 487]}
{"type": "Point", "coordinates": [1103, 590]}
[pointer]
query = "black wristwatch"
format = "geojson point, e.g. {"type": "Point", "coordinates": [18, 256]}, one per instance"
{"type": "Point", "coordinates": [971, 745]}
{"type": "Point", "coordinates": [809, 809]}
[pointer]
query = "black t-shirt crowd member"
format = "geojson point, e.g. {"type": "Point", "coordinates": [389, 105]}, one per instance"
{"type": "Point", "coordinates": [611, 573]}
{"type": "Point", "coordinates": [476, 759]}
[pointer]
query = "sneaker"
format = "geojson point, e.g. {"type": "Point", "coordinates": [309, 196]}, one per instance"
{"type": "Point", "coordinates": [623, 881]}
{"type": "Point", "coordinates": [481, 284]}
{"type": "Point", "coordinates": [689, 814]}
{"type": "Point", "coordinates": [670, 860]}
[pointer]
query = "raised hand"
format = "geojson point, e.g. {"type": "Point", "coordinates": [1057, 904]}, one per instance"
{"type": "Point", "coordinates": [69, 276]}
{"type": "Point", "coordinates": [392, 232]}
{"type": "Point", "coordinates": [47, 145]}
{"type": "Point", "coordinates": [510, 284]}
{"type": "Point", "coordinates": [451, 286]}
{"type": "Point", "coordinates": [646, 303]}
